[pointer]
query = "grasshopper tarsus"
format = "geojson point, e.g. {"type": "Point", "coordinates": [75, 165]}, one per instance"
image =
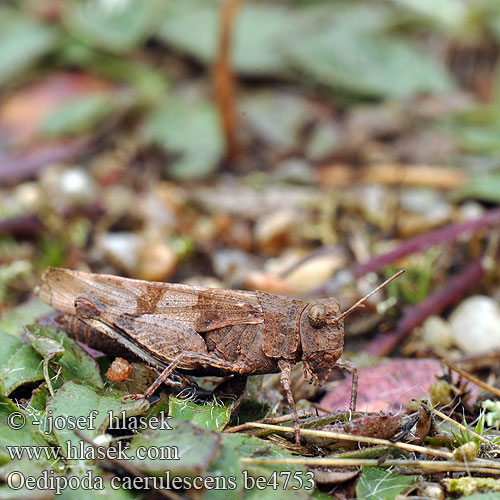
{"type": "Point", "coordinates": [133, 397]}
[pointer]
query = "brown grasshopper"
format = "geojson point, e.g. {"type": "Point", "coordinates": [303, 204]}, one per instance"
{"type": "Point", "coordinates": [207, 330]}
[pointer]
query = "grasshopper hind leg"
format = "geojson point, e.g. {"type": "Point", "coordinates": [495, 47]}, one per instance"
{"type": "Point", "coordinates": [196, 357]}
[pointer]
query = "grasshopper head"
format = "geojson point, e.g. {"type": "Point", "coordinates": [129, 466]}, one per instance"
{"type": "Point", "coordinates": [321, 336]}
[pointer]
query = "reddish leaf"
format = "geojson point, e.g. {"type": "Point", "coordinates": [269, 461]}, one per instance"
{"type": "Point", "coordinates": [387, 387]}
{"type": "Point", "coordinates": [24, 110]}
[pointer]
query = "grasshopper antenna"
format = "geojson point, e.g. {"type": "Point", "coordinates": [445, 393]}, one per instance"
{"type": "Point", "coordinates": [360, 301]}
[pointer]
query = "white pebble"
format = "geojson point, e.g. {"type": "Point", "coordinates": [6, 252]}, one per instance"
{"type": "Point", "coordinates": [121, 249]}
{"type": "Point", "coordinates": [475, 325]}
{"type": "Point", "coordinates": [76, 186]}
{"type": "Point", "coordinates": [436, 332]}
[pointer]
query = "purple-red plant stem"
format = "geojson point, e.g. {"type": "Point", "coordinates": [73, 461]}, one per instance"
{"type": "Point", "coordinates": [436, 303]}
{"type": "Point", "coordinates": [22, 226]}
{"type": "Point", "coordinates": [441, 236]}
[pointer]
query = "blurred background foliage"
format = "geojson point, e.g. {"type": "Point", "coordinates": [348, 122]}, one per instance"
{"type": "Point", "coordinates": [102, 101]}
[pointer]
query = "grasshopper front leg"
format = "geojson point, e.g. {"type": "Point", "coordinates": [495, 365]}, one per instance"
{"type": "Point", "coordinates": [346, 365]}
{"type": "Point", "coordinates": [286, 370]}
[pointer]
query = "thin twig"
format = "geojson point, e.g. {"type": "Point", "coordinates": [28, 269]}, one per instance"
{"type": "Point", "coordinates": [437, 465]}
{"type": "Point", "coordinates": [471, 378]}
{"type": "Point", "coordinates": [360, 439]}
{"type": "Point", "coordinates": [224, 82]}
{"type": "Point", "coordinates": [433, 176]}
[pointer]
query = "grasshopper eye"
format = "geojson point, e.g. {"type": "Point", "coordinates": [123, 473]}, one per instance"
{"type": "Point", "coordinates": [317, 316]}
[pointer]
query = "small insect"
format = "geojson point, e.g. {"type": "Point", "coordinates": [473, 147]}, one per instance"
{"type": "Point", "coordinates": [208, 331]}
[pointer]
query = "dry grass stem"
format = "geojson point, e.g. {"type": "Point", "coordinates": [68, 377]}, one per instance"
{"type": "Point", "coordinates": [396, 174]}
{"type": "Point", "coordinates": [360, 439]}
{"type": "Point", "coordinates": [437, 466]}
{"type": "Point", "coordinates": [274, 420]}
{"type": "Point", "coordinates": [471, 378]}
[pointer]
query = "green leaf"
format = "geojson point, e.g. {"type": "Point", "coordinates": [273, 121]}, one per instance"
{"type": "Point", "coordinates": [259, 32]}
{"type": "Point", "coordinates": [22, 42]}
{"type": "Point", "coordinates": [114, 26]}
{"type": "Point", "coordinates": [78, 116]}
{"type": "Point", "coordinates": [368, 64]}
{"type": "Point", "coordinates": [268, 493]}
{"type": "Point", "coordinates": [28, 435]}
{"type": "Point", "coordinates": [448, 15]}
{"type": "Point", "coordinates": [483, 496]}
{"type": "Point", "coordinates": [481, 187]}
{"type": "Point", "coordinates": [149, 83]}
{"type": "Point", "coordinates": [479, 139]}
{"type": "Point", "coordinates": [107, 493]}
{"type": "Point", "coordinates": [278, 118]}
{"type": "Point", "coordinates": [382, 484]}
{"type": "Point", "coordinates": [77, 399]}
{"type": "Point", "coordinates": [196, 449]}
{"type": "Point", "coordinates": [13, 320]}
{"type": "Point", "coordinates": [227, 464]}
{"type": "Point", "coordinates": [28, 468]}
{"type": "Point", "coordinates": [75, 362]}
{"type": "Point", "coordinates": [205, 416]}
{"type": "Point", "coordinates": [19, 363]}
{"type": "Point", "coordinates": [190, 129]}
{"type": "Point", "coordinates": [252, 447]}
{"type": "Point", "coordinates": [250, 411]}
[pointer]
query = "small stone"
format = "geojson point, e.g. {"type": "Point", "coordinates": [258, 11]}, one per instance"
{"type": "Point", "coordinates": [471, 210]}
{"type": "Point", "coordinates": [371, 200]}
{"type": "Point", "coordinates": [121, 249]}
{"type": "Point", "coordinates": [233, 266]}
{"type": "Point", "coordinates": [258, 280]}
{"type": "Point", "coordinates": [427, 202]}
{"type": "Point", "coordinates": [475, 325]}
{"type": "Point", "coordinates": [274, 231]}
{"type": "Point", "coordinates": [295, 171]}
{"type": "Point", "coordinates": [157, 262]}
{"type": "Point", "coordinates": [29, 195]}
{"type": "Point", "coordinates": [118, 200]}
{"type": "Point", "coordinates": [466, 453]}
{"type": "Point", "coordinates": [432, 490]}
{"type": "Point", "coordinates": [324, 141]}
{"type": "Point", "coordinates": [76, 186]}
{"type": "Point", "coordinates": [314, 273]}
{"type": "Point", "coordinates": [436, 332]}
